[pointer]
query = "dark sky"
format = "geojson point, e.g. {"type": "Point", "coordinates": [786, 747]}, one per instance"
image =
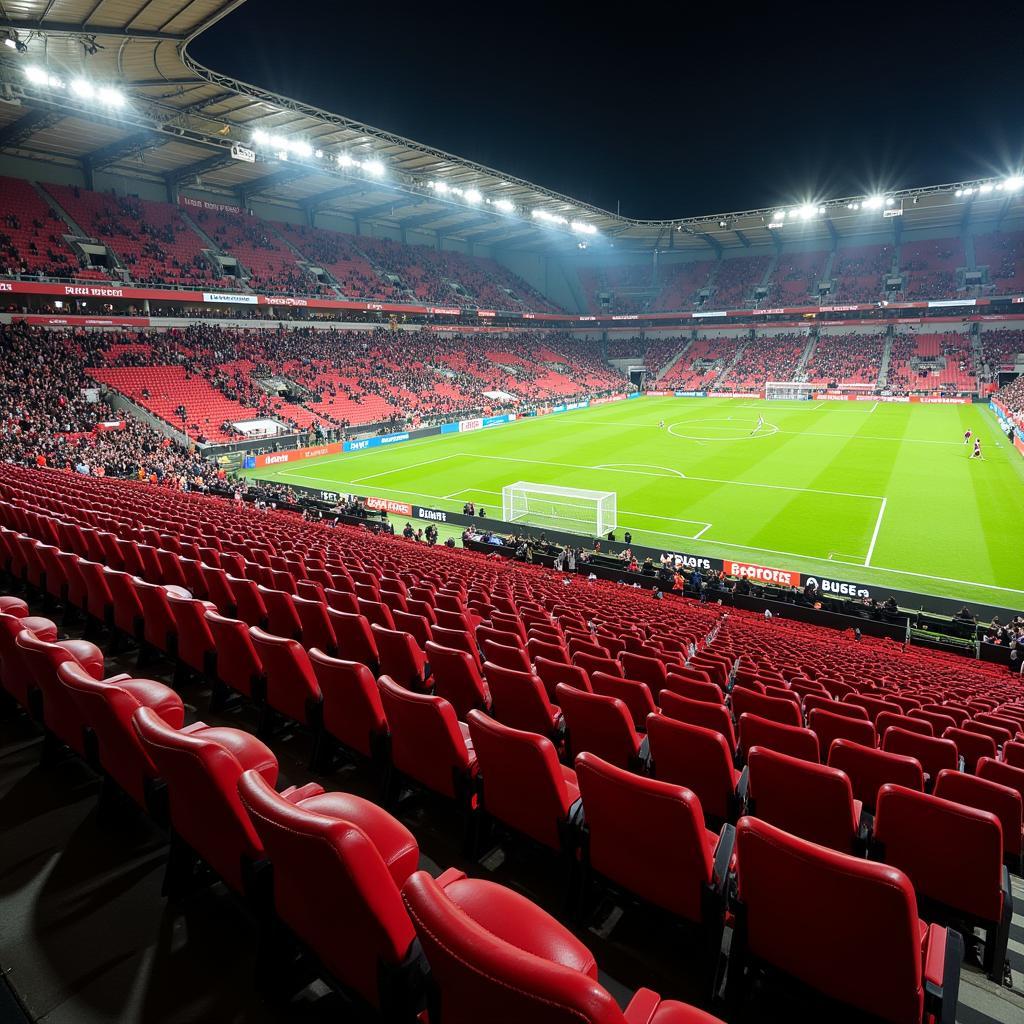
{"type": "Point", "coordinates": [671, 110]}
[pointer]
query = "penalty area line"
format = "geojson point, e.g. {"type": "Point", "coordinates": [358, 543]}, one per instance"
{"type": "Point", "coordinates": [874, 536]}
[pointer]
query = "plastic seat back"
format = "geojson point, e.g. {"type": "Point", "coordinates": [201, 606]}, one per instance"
{"type": "Point", "coordinates": [400, 656]}
{"type": "Point", "coordinates": [456, 678]}
{"type": "Point", "coordinates": [868, 769]}
{"type": "Point", "coordinates": [698, 712]}
{"type": "Point", "coordinates": [599, 724]}
{"type": "Point", "coordinates": [828, 727]}
{"type": "Point", "coordinates": [352, 709]}
{"type": "Point", "coordinates": [355, 639]}
{"type": "Point", "coordinates": [786, 739]}
{"type": "Point", "coordinates": [774, 709]}
{"type": "Point", "coordinates": [291, 686]}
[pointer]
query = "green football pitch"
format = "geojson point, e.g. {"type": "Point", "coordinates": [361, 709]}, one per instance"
{"type": "Point", "coordinates": [870, 492]}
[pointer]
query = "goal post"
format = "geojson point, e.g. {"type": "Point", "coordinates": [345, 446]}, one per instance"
{"type": "Point", "coordinates": [569, 509]}
{"type": "Point", "coordinates": [789, 390]}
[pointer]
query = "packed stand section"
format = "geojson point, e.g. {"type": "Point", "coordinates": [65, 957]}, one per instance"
{"type": "Point", "coordinates": [841, 359]}
{"type": "Point", "coordinates": [931, 362]}
{"type": "Point", "coordinates": [1003, 253]}
{"type": "Point", "coordinates": [736, 280]}
{"type": "Point", "coordinates": [1001, 349]}
{"type": "Point", "coordinates": [859, 272]}
{"type": "Point", "coordinates": [703, 362]}
{"type": "Point", "coordinates": [617, 287]}
{"type": "Point", "coordinates": [680, 285]}
{"type": "Point", "coordinates": [770, 358]}
{"type": "Point", "coordinates": [31, 235]}
{"type": "Point", "coordinates": [929, 268]}
{"type": "Point", "coordinates": [152, 240]}
{"type": "Point", "coordinates": [796, 277]}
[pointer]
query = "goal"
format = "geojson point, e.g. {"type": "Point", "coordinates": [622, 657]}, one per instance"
{"type": "Point", "coordinates": [559, 508]}
{"type": "Point", "coordinates": [789, 391]}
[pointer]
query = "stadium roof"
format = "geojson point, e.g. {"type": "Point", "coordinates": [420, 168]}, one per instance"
{"type": "Point", "coordinates": [181, 122]}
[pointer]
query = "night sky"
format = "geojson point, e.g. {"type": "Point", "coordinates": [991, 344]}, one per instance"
{"type": "Point", "coordinates": [661, 108]}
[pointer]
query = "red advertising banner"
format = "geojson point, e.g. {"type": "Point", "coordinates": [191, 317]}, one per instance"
{"type": "Point", "coordinates": [762, 574]}
{"type": "Point", "coordinates": [399, 508]}
{"type": "Point", "coordinates": [298, 454]}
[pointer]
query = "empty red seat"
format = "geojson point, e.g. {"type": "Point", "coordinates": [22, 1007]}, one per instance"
{"type": "Point", "coordinates": [315, 623]}
{"type": "Point", "coordinates": [886, 720]}
{"type": "Point", "coordinates": [599, 724]}
{"type": "Point", "coordinates": [356, 641]}
{"type": "Point", "coordinates": [632, 692]}
{"type": "Point", "coordinates": [808, 800]}
{"type": "Point", "coordinates": [933, 754]}
{"type": "Point", "coordinates": [289, 682]}
{"type": "Point", "coordinates": [552, 673]}
{"type": "Point", "coordinates": [772, 709]}
{"type": "Point", "coordinates": [195, 643]}
{"type": "Point", "coordinates": [828, 727]}
{"type": "Point", "coordinates": [648, 837]}
{"type": "Point", "coordinates": [699, 712]}
{"type": "Point", "coordinates": [456, 678]}
{"type": "Point", "coordinates": [400, 656]}
{"type": "Point", "coordinates": [953, 855]}
{"type": "Point", "coordinates": [353, 714]}
{"type": "Point", "coordinates": [1002, 801]}
{"type": "Point", "coordinates": [699, 759]}
{"type": "Point", "coordinates": [787, 886]}
{"type": "Point", "coordinates": [235, 664]}
{"type": "Point", "coordinates": [428, 742]}
{"type": "Point", "coordinates": [522, 784]}
{"type": "Point", "coordinates": [813, 702]}
{"type": "Point", "coordinates": [496, 956]}
{"type": "Point", "coordinates": [519, 699]}
{"type": "Point", "coordinates": [694, 689]}
{"type": "Point", "coordinates": [787, 739]}
{"type": "Point", "coordinates": [651, 671]}
{"type": "Point", "coordinates": [591, 663]}
{"type": "Point", "coordinates": [868, 769]}
{"type": "Point", "coordinates": [972, 746]}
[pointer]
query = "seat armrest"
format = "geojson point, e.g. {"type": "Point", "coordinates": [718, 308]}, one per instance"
{"type": "Point", "coordinates": [448, 876]}
{"type": "Point", "coordinates": [723, 858]}
{"type": "Point", "coordinates": [942, 958]}
{"type": "Point", "coordinates": [296, 794]}
{"type": "Point", "coordinates": [642, 1007]}
{"type": "Point", "coordinates": [644, 754]}
{"type": "Point", "coordinates": [576, 818]}
{"type": "Point", "coordinates": [119, 678]}
{"type": "Point", "coordinates": [194, 728]}
{"type": "Point", "coordinates": [743, 785]}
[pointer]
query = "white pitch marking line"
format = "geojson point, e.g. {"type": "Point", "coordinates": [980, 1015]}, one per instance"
{"type": "Point", "coordinates": [648, 465]}
{"type": "Point", "coordinates": [403, 469]}
{"type": "Point", "coordinates": [874, 536]}
{"type": "Point", "coordinates": [697, 536]}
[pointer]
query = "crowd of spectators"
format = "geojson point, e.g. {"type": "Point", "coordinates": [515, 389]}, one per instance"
{"type": "Point", "coordinates": [845, 358]}
{"type": "Point", "coordinates": [929, 268]}
{"type": "Point", "coordinates": [764, 358]}
{"type": "Point", "coordinates": [858, 272]}
{"type": "Point", "coordinates": [1000, 350]}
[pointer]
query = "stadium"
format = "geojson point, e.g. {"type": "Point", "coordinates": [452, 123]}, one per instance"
{"type": "Point", "coordinates": [426, 596]}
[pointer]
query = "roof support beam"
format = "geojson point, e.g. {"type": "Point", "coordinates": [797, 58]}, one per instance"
{"type": "Point", "coordinates": [965, 217]}
{"type": "Point", "coordinates": [65, 28]}
{"type": "Point", "coordinates": [744, 241]}
{"type": "Point", "coordinates": [832, 232]}
{"type": "Point", "coordinates": [318, 201]}
{"type": "Point", "coordinates": [382, 208]}
{"type": "Point", "coordinates": [715, 244]}
{"type": "Point", "coordinates": [200, 167]}
{"type": "Point", "coordinates": [114, 151]}
{"type": "Point", "coordinates": [271, 181]}
{"type": "Point", "coordinates": [36, 120]}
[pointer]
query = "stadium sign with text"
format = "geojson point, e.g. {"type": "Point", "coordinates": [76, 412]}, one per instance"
{"type": "Point", "coordinates": [398, 508]}
{"type": "Point", "coordinates": [762, 574]}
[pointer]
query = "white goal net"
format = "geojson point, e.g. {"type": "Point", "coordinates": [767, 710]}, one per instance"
{"type": "Point", "coordinates": [559, 508]}
{"type": "Point", "coordinates": [789, 391]}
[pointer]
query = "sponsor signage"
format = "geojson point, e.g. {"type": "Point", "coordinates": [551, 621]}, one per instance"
{"type": "Point", "coordinates": [936, 303]}
{"type": "Point", "coordinates": [444, 310]}
{"type": "Point", "coordinates": [243, 153]}
{"type": "Point", "coordinates": [206, 204]}
{"type": "Point", "coordinates": [435, 515]}
{"type": "Point", "coordinates": [689, 394]}
{"type": "Point", "coordinates": [374, 442]}
{"type": "Point", "coordinates": [762, 574]}
{"type": "Point", "coordinates": [234, 298]}
{"type": "Point", "coordinates": [897, 212]}
{"type": "Point", "coordinates": [286, 300]}
{"type": "Point", "coordinates": [701, 316]}
{"type": "Point", "coordinates": [465, 426]}
{"type": "Point", "coordinates": [296, 455]}
{"type": "Point", "coordinates": [398, 508]}
{"type": "Point", "coordinates": [837, 588]}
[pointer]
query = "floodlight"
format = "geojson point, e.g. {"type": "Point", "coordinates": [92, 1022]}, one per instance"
{"type": "Point", "coordinates": [986, 188]}
{"type": "Point", "coordinates": [958, 193]}
{"type": "Point", "coordinates": [319, 153]}
{"type": "Point", "coordinates": [300, 148]}
{"type": "Point", "coordinates": [806, 212]}
{"type": "Point", "coordinates": [11, 43]}
{"type": "Point", "coordinates": [473, 195]}
{"type": "Point", "coordinates": [505, 205]}
{"type": "Point", "coordinates": [346, 160]}
{"type": "Point", "coordinates": [110, 97]}
{"type": "Point", "coordinates": [583, 229]}
{"type": "Point", "coordinates": [779, 215]}
{"type": "Point", "coordinates": [374, 167]}
{"type": "Point", "coordinates": [83, 89]}
{"type": "Point", "coordinates": [260, 136]}
{"type": "Point", "coordinates": [36, 75]}
{"type": "Point", "coordinates": [1014, 183]}
{"type": "Point", "coordinates": [440, 186]}
{"type": "Point", "coordinates": [889, 201]}
{"type": "Point", "coordinates": [874, 202]}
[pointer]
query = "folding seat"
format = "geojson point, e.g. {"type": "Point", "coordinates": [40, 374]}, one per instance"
{"type": "Point", "coordinates": [601, 725]}
{"type": "Point", "coordinates": [996, 732]}
{"type": "Point", "coordinates": [233, 563]}
{"type": "Point", "coordinates": [551, 673]}
{"type": "Point", "coordinates": [788, 886]}
{"type": "Point", "coordinates": [54, 581]}
{"type": "Point", "coordinates": [193, 570]}
{"type": "Point", "coordinates": [536, 648]}
{"type": "Point", "coordinates": [939, 722]}
{"type": "Point", "coordinates": [445, 600]}
{"type": "Point", "coordinates": [874, 706]}
{"type": "Point", "coordinates": [99, 602]}
{"type": "Point", "coordinates": [523, 786]}
{"type": "Point", "coordinates": [422, 609]}
{"type": "Point", "coordinates": [1002, 801]}
{"type": "Point", "coordinates": [313, 589]}
{"type": "Point", "coordinates": [282, 618]}
{"type": "Point", "coordinates": [694, 689]}
{"type": "Point", "coordinates": [428, 743]}
{"type": "Point", "coordinates": [376, 613]}
{"type": "Point", "coordinates": [633, 693]}
{"type": "Point", "coordinates": [828, 727]}
{"type": "Point", "coordinates": [499, 636]}
{"type": "Point", "coordinates": [591, 663]}
{"type": "Point", "coordinates": [219, 590]}
{"type": "Point", "coordinates": [1013, 753]}
{"type": "Point", "coordinates": [106, 707]}
{"type": "Point", "coordinates": [201, 766]}
{"type": "Point", "coordinates": [416, 625]}
{"type": "Point", "coordinates": [249, 601]}
{"type": "Point", "coordinates": [352, 711]}
{"type": "Point", "coordinates": [509, 624]}
{"type": "Point", "coordinates": [586, 645]}
{"type": "Point", "coordinates": [699, 759]}
{"type": "Point", "coordinates": [1003, 721]}
{"type": "Point", "coordinates": [235, 663]}
{"type": "Point", "coordinates": [905, 703]}
{"type": "Point", "coordinates": [953, 855]}
{"type": "Point", "coordinates": [127, 612]}
{"type": "Point", "coordinates": [717, 671]}
{"type": "Point", "coordinates": [454, 620]}
{"type": "Point", "coordinates": [158, 626]}
{"type": "Point", "coordinates": [774, 709]}
{"type": "Point", "coordinates": [456, 678]}
{"type": "Point", "coordinates": [195, 644]}
{"type": "Point", "coordinates": [317, 630]}
{"type": "Point", "coordinates": [786, 739]}
{"type": "Point", "coordinates": [868, 769]}
{"type": "Point", "coordinates": [783, 693]}
{"type": "Point", "coordinates": [972, 746]}
{"type": "Point", "coordinates": [505, 655]}
{"type": "Point", "coordinates": [279, 579]}
{"type": "Point", "coordinates": [356, 640]}
{"type": "Point", "coordinates": [698, 712]}
{"type": "Point", "coordinates": [933, 754]}
{"type": "Point", "coordinates": [495, 955]}
{"type": "Point", "coordinates": [41, 659]}
{"type": "Point", "coordinates": [290, 686]}
{"type": "Point", "coordinates": [342, 601]}
{"type": "Point", "coordinates": [808, 800]}
{"type": "Point", "coordinates": [952, 710]}
{"type": "Point", "coordinates": [171, 572]}
{"type": "Point", "coordinates": [400, 657]}
{"type": "Point", "coordinates": [886, 720]}
{"type": "Point", "coordinates": [519, 700]}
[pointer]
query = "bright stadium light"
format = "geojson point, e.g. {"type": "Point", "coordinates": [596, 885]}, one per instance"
{"type": "Point", "coordinates": [473, 195]}
{"type": "Point", "coordinates": [1013, 184]}
{"type": "Point", "coordinates": [82, 89]}
{"type": "Point", "coordinates": [109, 97]}
{"type": "Point", "coordinates": [583, 229]}
{"type": "Point", "coordinates": [778, 216]}
{"type": "Point", "coordinates": [505, 205]}
{"type": "Point", "coordinates": [346, 160]}
{"type": "Point", "coordinates": [550, 218]}
{"type": "Point", "coordinates": [806, 212]}
{"type": "Point", "coordinates": [40, 76]}
{"type": "Point", "coordinates": [374, 167]}
{"type": "Point", "coordinates": [874, 202]}
{"type": "Point", "coordinates": [439, 186]}
{"type": "Point", "coordinates": [986, 188]}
